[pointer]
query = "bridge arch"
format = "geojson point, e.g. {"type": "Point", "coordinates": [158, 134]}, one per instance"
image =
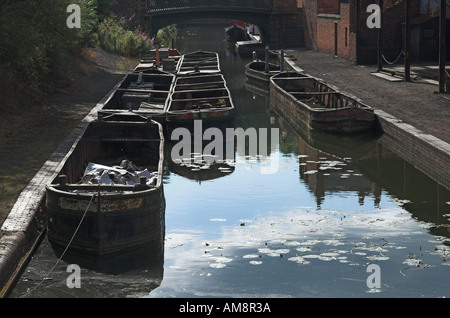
{"type": "Point", "coordinates": [156, 22]}
{"type": "Point", "coordinates": [162, 13]}
{"type": "Point", "coordinates": [278, 20]}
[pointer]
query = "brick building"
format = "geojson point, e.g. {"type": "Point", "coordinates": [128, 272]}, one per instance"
{"type": "Point", "coordinates": [336, 27]}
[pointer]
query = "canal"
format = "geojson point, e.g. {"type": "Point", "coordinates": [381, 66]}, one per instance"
{"type": "Point", "coordinates": [338, 217]}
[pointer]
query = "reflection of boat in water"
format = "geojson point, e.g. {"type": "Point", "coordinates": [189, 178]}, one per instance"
{"type": "Point", "coordinates": [145, 93]}
{"type": "Point", "coordinates": [202, 152]}
{"type": "Point", "coordinates": [362, 165]}
{"type": "Point", "coordinates": [198, 168]}
{"type": "Point", "coordinates": [258, 88]}
{"type": "Point", "coordinates": [133, 272]}
{"type": "Point", "coordinates": [202, 166]}
{"type": "Point", "coordinates": [114, 206]}
{"type": "Point", "coordinates": [313, 103]}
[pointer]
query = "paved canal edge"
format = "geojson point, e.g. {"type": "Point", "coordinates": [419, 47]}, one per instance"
{"type": "Point", "coordinates": [25, 222]}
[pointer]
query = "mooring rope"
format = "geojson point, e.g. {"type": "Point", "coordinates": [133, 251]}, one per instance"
{"type": "Point", "coordinates": [65, 250]}
{"type": "Point", "coordinates": [400, 55]}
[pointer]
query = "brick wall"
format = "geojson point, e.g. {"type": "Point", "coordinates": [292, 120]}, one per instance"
{"type": "Point", "coordinates": [336, 32]}
{"type": "Point", "coordinates": [286, 25]}
{"type": "Point", "coordinates": [310, 23]}
{"type": "Point", "coordinates": [328, 6]}
{"type": "Point", "coordinates": [284, 5]}
{"type": "Point", "coordinates": [330, 26]}
{"type": "Point", "coordinates": [393, 19]}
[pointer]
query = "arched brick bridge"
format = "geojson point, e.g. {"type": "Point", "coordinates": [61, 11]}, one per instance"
{"type": "Point", "coordinates": [279, 20]}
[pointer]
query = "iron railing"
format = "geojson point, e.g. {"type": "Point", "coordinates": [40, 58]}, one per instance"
{"type": "Point", "coordinates": [163, 5]}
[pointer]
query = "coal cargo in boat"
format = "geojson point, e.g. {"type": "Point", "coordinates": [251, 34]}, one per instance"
{"type": "Point", "coordinates": [145, 93]}
{"type": "Point", "coordinates": [315, 104]}
{"type": "Point", "coordinates": [110, 186]}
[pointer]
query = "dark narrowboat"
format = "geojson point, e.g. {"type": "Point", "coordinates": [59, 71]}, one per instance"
{"type": "Point", "coordinates": [108, 195]}
{"type": "Point", "coordinates": [317, 105]}
{"type": "Point", "coordinates": [167, 58]}
{"type": "Point", "coordinates": [203, 62]}
{"type": "Point", "coordinates": [206, 97]}
{"type": "Point", "coordinates": [145, 93]}
{"type": "Point", "coordinates": [256, 70]}
{"type": "Point", "coordinates": [236, 31]}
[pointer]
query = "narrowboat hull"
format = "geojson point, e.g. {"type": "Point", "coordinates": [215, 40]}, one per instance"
{"type": "Point", "coordinates": [256, 70]}
{"type": "Point", "coordinates": [145, 93]}
{"type": "Point", "coordinates": [236, 32]}
{"type": "Point", "coordinates": [101, 219]}
{"type": "Point", "coordinates": [168, 58]}
{"type": "Point", "coordinates": [200, 97]}
{"type": "Point", "coordinates": [330, 111]}
{"type": "Point", "coordinates": [203, 62]}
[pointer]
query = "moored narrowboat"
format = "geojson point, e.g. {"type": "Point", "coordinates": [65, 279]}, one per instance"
{"type": "Point", "coordinates": [108, 195]}
{"type": "Point", "coordinates": [236, 31]}
{"type": "Point", "coordinates": [145, 93]}
{"type": "Point", "coordinates": [203, 62]}
{"type": "Point", "coordinates": [257, 70]}
{"type": "Point", "coordinates": [206, 97]}
{"type": "Point", "coordinates": [317, 105]}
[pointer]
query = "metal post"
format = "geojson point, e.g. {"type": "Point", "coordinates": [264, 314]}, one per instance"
{"type": "Point", "coordinates": [157, 55]}
{"type": "Point", "coordinates": [282, 61]}
{"type": "Point", "coordinates": [442, 44]}
{"type": "Point", "coordinates": [380, 37]}
{"type": "Point", "coordinates": [358, 18]}
{"type": "Point", "coordinates": [407, 40]}
{"type": "Point", "coordinates": [267, 60]}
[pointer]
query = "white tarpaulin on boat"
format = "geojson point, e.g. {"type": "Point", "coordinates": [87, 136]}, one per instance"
{"type": "Point", "coordinates": [126, 174]}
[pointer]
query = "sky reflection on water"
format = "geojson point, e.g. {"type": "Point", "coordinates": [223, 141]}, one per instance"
{"type": "Point", "coordinates": [265, 236]}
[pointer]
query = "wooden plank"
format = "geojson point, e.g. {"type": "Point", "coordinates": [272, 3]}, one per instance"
{"type": "Point", "coordinates": [143, 91]}
{"type": "Point", "coordinates": [387, 77]}
{"type": "Point", "coordinates": [200, 99]}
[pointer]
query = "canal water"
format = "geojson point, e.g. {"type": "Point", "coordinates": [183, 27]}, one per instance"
{"type": "Point", "coordinates": [338, 217]}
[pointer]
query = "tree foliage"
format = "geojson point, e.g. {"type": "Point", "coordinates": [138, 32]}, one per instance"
{"type": "Point", "coordinates": [34, 37]}
{"type": "Point", "coordinates": [113, 35]}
